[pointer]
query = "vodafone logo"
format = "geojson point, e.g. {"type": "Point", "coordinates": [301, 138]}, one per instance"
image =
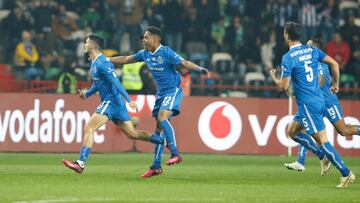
{"type": "Point", "coordinates": [220, 125]}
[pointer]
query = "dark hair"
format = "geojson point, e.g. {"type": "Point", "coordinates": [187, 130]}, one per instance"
{"type": "Point", "coordinates": [99, 41]}
{"type": "Point", "coordinates": [155, 31]}
{"type": "Point", "coordinates": [294, 30]}
{"type": "Point", "coordinates": [317, 41]}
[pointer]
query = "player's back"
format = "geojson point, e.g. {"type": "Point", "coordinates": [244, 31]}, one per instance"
{"type": "Point", "coordinates": [101, 68]}
{"type": "Point", "coordinates": [162, 64]}
{"type": "Point", "coordinates": [301, 63]}
{"type": "Point", "coordinates": [329, 97]}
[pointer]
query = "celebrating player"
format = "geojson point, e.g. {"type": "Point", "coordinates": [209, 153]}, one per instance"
{"type": "Point", "coordinates": [300, 65]}
{"type": "Point", "coordinates": [112, 107]}
{"type": "Point", "coordinates": [333, 111]}
{"type": "Point", "coordinates": [162, 62]}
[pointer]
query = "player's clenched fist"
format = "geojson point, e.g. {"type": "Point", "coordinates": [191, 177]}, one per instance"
{"type": "Point", "coordinates": [80, 94]}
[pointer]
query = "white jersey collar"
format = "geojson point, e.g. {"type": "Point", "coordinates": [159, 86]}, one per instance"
{"type": "Point", "coordinates": [296, 45]}
{"type": "Point", "coordinates": [96, 58]}
{"type": "Point", "coordinates": [156, 49]}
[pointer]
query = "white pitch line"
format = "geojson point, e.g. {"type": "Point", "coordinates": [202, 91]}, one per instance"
{"type": "Point", "coordinates": [122, 200]}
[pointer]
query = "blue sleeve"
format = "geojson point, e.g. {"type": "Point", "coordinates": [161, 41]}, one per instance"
{"type": "Point", "coordinates": [321, 69]}
{"type": "Point", "coordinates": [92, 90]}
{"type": "Point", "coordinates": [321, 54]}
{"type": "Point", "coordinates": [174, 58]}
{"type": "Point", "coordinates": [139, 56]}
{"type": "Point", "coordinates": [286, 67]}
{"type": "Point", "coordinates": [107, 70]}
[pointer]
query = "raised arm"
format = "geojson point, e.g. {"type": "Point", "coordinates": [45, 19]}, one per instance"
{"type": "Point", "coordinates": [92, 90]}
{"type": "Point", "coordinates": [115, 81]}
{"type": "Point", "coordinates": [192, 66]}
{"type": "Point", "coordinates": [282, 83]}
{"type": "Point", "coordinates": [123, 59]}
{"type": "Point", "coordinates": [335, 72]}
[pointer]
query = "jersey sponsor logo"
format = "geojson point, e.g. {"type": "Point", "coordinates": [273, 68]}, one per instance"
{"type": "Point", "coordinates": [220, 126]}
{"type": "Point", "coordinates": [46, 126]}
{"type": "Point", "coordinates": [156, 68]}
{"type": "Point", "coordinates": [301, 51]}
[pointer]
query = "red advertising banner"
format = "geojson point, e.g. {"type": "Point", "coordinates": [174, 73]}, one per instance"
{"type": "Point", "coordinates": [55, 122]}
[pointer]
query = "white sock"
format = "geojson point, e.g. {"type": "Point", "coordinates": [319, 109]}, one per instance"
{"type": "Point", "coordinates": [81, 163]}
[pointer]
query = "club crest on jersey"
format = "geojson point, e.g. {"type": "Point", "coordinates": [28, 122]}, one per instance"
{"type": "Point", "coordinates": [94, 69]}
{"type": "Point", "coordinates": [160, 60]}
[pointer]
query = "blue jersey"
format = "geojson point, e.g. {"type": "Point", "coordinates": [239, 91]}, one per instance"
{"type": "Point", "coordinates": [105, 81]}
{"type": "Point", "coordinates": [162, 64]}
{"type": "Point", "coordinates": [329, 97]}
{"type": "Point", "coordinates": [301, 64]}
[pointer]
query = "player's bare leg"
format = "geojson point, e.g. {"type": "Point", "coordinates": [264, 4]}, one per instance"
{"type": "Point", "coordinates": [132, 133]}
{"type": "Point", "coordinates": [95, 122]}
{"type": "Point", "coordinates": [346, 130]}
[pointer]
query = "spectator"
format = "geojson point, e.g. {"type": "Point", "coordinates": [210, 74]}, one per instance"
{"type": "Point", "coordinates": [308, 19]}
{"type": "Point", "coordinates": [206, 14]}
{"type": "Point", "coordinates": [137, 79]}
{"type": "Point", "coordinates": [185, 81]}
{"type": "Point", "coordinates": [329, 19]}
{"type": "Point", "coordinates": [51, 53]}
{"type": "Point", "coordinates": [13, 25]}
{"type": "Point", "coordinates": [149, 19]}
{"type": "Point", "coordinates": [267, 50]}
{"type": "Point", "coordinates": [350, 32]}
{"type": "Point", "coordinates": [173, 14]}
{"type": "Point", "coordinates": [42, 16]}
{"type": "Point", "coordinates": [130, 13]}
{"type": "Point", "coordinates": [339, 50]}
{"type": "Point", "coordinates": [218, 33]}
{"type": "Point", "coordinates": [234, 36]}
{"type": "Point", "coordinates": [26, 58]}
{"type": "Point", "coordinates": [62, 24]}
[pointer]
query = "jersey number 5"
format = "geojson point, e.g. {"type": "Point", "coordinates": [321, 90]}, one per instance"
{"type": "Point", "coordinates": [309, 71]}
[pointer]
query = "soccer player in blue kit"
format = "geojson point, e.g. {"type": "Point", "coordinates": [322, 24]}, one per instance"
{"type": "Point", "coordinates": [333, 111]}
{"type": "Point", "coordinates": [112, 107]}
{"type": "Point", "coordinates": [300, 66]}
{"type": "Point", "coordinates": [162, 62]}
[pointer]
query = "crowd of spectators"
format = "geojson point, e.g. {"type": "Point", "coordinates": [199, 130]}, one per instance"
{"type": "Point", "coordinates": [42, 39]}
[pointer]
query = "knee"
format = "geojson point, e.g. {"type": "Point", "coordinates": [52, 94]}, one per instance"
{"type": "Point", "coordinates": [89, 130]}
{"type": "Point", "coordinates": [291, 133]}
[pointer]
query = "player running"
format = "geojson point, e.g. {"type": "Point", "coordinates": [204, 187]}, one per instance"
{"type": "Point", "coordinates": [162, 62]}
{"type": "Point", "coordinates": [300, 66]}
{"type": "Point", "coordinates": [333, 111]}
{"type": "Point", "coordinates": [112, 107]}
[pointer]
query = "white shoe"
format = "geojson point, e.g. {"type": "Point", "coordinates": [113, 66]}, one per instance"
{"type": "Point", "coordinates": [344, 181]}
{"type": "Point", "coordinates": [295, 166]}
{"type": "Point", "coordinates": [325, 166]}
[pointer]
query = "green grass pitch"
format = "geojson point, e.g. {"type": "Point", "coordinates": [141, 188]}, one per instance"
{"type": "Point", "coordinates": [42, 178]}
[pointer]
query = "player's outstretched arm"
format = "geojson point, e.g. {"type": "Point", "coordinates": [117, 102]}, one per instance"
{"type": "Point", "coordinates": [123, 59]}
{"type": "Point", "coordinates": [192, 66]}
{"type": "Point", "coordinates": [283, 82]}
{"type": "Point", "coordinates": [335, 72]}
{"type": "Point", "coordinates": [92, 90]}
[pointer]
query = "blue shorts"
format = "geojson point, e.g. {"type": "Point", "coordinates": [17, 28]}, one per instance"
{"type": "Point", "coordinates": [114, 110]}
{"type": "Point", "coordinates": [311, 117]}
{"type": "Point", "coordinates": [170, 100]}
{"type": "Point", "coordinates": [334, 112]}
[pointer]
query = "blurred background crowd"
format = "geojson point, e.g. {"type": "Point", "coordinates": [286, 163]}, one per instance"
{"type": "Point", "coordinates": [236, 39]}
